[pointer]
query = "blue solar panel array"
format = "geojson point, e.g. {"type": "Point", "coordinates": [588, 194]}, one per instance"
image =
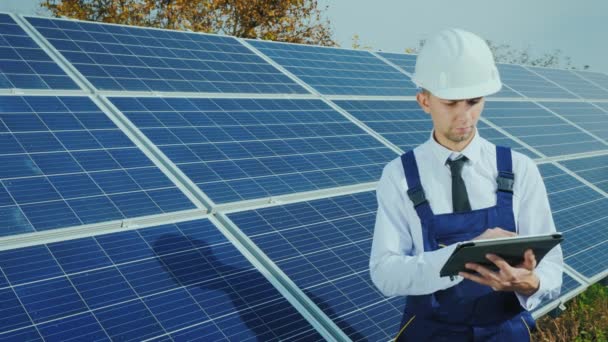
{"type": "Point", "coordinates": [323, 246]}
{"type": "Point", "coordinates": [174, 282]}
{"type": "Point", "coordinates": [599, 79]}
{"type": "Point", "coordinates": [529, 84]}
{"type": "Point", "coordinates": [584, 114]}
{"type": "Point", "coordinates": [404, 124]}
{"type": "Point", "coordinates": [406, 62]}
{"type": "Point", "coordinates": [114, 57]}
{"type": "Point", "coordinates": [581, 214]}
{"type": "Point", "coordinates": [572, 82]}
{"type": "Point", "coordinates": [541, 129]}
{"type": "Point", "coordinates": [333, 71]}
{"type": "Point", "coordinates": [65, 163]}
{"type": "Point", "coordinates": [239, 149]}
{"type": "Point", "coordinates": [24, 65]}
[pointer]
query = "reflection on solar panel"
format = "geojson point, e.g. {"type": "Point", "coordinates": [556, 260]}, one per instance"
{"type": "Point", "coordinates": [23, 64]}
{"type": "Point", "coordinates": [176, 282]}
{"type": "Point", "coordinates": [585, 115]}
{"type": "Point", "coordinates": [65, 163]}
{"type": "Point", "coordinates": [404, 124]}
{"type": "Point", "coordinates": [540, 129]}
{"type": "Point", "coordinates": [581, 214]}
{"type": "Point", "coordinates": [406, 62]}
{"type": "Point", "coordinates": [114, 57]}
{"type": "Point", "coordinates": [323, 246]}
{"type": "Point", "coordinates": [334, 71]}
{"type": "Point", "coordinates": [236, 149]}
{"type": "Point", "coordinates": [530, 84]}
{"type": "Point", "coordinates": [572, 82]}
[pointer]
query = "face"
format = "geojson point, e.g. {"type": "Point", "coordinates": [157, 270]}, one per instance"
{"type": "Point", "coordinates": [454, 121]}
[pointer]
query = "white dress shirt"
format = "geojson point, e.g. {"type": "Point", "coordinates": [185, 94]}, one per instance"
{"type": "Point", "coordinates": [399, 266]}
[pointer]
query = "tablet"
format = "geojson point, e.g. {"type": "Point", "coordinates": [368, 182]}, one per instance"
{"type": "Point", "coordinates": [511, 249]}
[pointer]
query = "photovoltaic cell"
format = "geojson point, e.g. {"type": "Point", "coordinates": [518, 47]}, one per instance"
{"type": "Point", "coordinates": [24, 65]}
{"type": "Point", "coordinates": [540, 128]}
{"type": "Point", "coordinates": [323, 246]}
{"type": "Point", "coordinates": [530, 84]}
{"type": "Point", "coordinates": [171, 282]}
{"type": "Point", "coordinates": [584, 114]}
{"type": "Point", "coordinates": [238, 149]}
{"type": "Point", "coordinates": [405, 61]}
{"type": "Point", "coordinates": [593, 169]}
{"type": "Point", "coordinates": [404, 124]}
{"type": "Point", "coordinates": [65, 163]}
{"type": "Point", "coordinates": [114, 57]}
{"type": "Point", "coordinates": [597, 78]}
{"type": "Point", "coordinates": [581, 214]}
{"type": "Point", "coordinates": [572, 82]}
{"type": "Point", "coordinates": [333, 71]}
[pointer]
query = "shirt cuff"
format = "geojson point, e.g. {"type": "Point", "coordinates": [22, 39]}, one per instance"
{"type": "Point", "coordinates": [532, 301]}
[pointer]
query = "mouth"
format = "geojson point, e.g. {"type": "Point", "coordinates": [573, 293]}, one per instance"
{"type": "Point", "coordinates": [463, 130]}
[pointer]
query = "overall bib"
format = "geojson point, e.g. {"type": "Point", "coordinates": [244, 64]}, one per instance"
{"type": "Point", "coordinates": [467, 311]}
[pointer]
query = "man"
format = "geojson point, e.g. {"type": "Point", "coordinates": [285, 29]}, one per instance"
{"type": "Point", "coordinates": [456, 187]}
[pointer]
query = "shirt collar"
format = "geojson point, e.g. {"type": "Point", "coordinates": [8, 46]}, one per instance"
{"type": "Point", "coordinates": [472, 151]}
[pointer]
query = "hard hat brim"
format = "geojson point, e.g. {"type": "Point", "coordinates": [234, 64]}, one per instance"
{"type": "Point", "coordinates": [463, 93]}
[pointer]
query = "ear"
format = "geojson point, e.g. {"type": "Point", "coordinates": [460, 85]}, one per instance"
{"type": "Point", "coordinates": [423, 101]}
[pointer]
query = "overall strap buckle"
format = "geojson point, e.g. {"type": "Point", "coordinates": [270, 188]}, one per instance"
{"type": "Point", "coordinates": [505, 181]}
{"type": "Point", "coordinates": [417, 196]}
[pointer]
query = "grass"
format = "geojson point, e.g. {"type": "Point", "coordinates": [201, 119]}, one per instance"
{"type": "Point", "coordinates": [585, 319]}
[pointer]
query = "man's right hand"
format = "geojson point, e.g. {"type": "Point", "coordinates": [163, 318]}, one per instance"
{"type": "Point", "coordinates": [495, 233]}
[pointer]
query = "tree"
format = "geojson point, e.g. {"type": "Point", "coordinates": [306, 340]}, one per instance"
{"type": "Point", "coordinates": [295, 21]}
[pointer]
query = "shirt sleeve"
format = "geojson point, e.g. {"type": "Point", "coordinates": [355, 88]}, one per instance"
{"type": "Point", "coordinates": [395, 266]}
{"type": "Point", "coordinates": [535, 218]}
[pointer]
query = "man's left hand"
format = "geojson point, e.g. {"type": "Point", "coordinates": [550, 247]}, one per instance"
{"type": "Point", "coordinates": [520, 278]}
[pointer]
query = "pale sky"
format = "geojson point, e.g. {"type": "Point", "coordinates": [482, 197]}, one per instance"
{"type": "Point", "coordinates": [578, 28]}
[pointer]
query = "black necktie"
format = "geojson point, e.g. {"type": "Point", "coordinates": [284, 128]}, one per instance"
{"type": "Point", "coordinates": [460, 199]}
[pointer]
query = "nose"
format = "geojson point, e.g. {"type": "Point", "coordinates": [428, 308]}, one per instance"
{"type": "Point", "coordinates": [464, 110]}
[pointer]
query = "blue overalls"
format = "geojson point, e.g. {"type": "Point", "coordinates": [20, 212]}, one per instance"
{"type": "Point", "coordinates": [467, 311]}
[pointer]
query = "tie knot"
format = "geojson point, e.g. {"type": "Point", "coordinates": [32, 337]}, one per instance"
{"type": "Point", "coordinates": [456, 165]}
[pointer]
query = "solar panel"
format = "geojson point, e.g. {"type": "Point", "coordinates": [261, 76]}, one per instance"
{"type": "Point", "coordinates": [114, 57]}
{"type": "Point", "coordinates": [569, 285]}
{"type": "Point", "coordinates": [572, 82]}
{"type": "Point", "coordinates": [581, 214]}
{"type": "Point", "coordinates": [540, 129]}
{"type": "Point", "coordinates": [583, 114]}
{"type": "Point", "coordinates": [593, 169]}
{"type": "Point", "coordinates": [323, 246]}
{"type": "Point", "coordinates": [530, 84]}
{"type": "Point", "coordinates": [181, 281]}
{"type": "Point", "coordinates": [598, 78]}
{"type": "Point", "coordinates": [404, 124]}
{"type": "Point", "coordinates": [65, 163]}
{"type": "Point", "coordinates": [238, 149]}
{"type": "Point", "coordinates": [24, 65]}
{"type": "Point", "coordinates": [333, 71]}
{"type": "Point", "coordinates": [405, 61]}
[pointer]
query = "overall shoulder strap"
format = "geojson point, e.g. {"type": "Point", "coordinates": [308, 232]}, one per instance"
{"type": "Point", "coordinates": [505, 181]}
{"type": "Point", "coordinates": [416, 194]}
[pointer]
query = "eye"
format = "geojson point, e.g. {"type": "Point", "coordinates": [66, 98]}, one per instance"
{"type": "Point", "coordinates": [473, 102]}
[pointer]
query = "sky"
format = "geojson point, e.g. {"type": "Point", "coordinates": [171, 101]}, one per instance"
{"type": "Point", "coordinates": [577, 28]}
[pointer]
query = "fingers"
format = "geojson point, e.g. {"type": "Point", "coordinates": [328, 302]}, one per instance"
{"type": "Point", "coordinates": [529, 260]}
{"type": "Point", "coordinates": [500, 263]}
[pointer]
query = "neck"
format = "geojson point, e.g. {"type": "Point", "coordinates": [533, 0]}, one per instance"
{"type": "Point", "coordinates": [455, 146]}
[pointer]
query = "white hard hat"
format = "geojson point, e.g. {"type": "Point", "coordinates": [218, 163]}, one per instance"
{"type": "Point", "coordinates": [455, 64]}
